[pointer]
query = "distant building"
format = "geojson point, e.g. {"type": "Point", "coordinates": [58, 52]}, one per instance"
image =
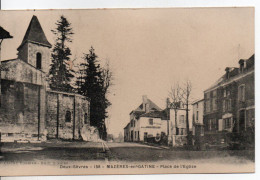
{"type": "Point", "coordinates": [197, 122]}
{"type": "Point", "coordinates": [29, 109]}
{"type": "Point", "coordinates": [177, 125]}
{"type": "Point", "coordinates": [229, 105]}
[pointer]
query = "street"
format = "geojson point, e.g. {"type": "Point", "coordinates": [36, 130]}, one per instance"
{"type": "Point", "coordinates": [127, 152]}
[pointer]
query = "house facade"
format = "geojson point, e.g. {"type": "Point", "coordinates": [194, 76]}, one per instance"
{"type": "Point", "coordinates": [229, 103]}
{"type": "Point", "coordinates": [145, 122]}
{"type": "Point", "coordinates": [197, 123]}
{"type": "Point", "coordinates": [148, 121]}
{"type": "Point", "coordinates": [29, 109]}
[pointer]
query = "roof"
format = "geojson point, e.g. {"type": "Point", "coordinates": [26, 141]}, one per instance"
{"type": "Point", "coordinates": [233, 72]}
{"type": "Point", "coordinates": [4, 34]}
{"type": "Point", "coordinates": [153, 114]}
{"type": "Point", "coordinates": [152, 106]}
{"type": "Point", "coordinates": [35, 34]}
{"type": "Point", "coordinates": [127, 125]}
{"type": "Point", "coordinates": [250, 62]}
{"type": "Point", "coordinates": [196, 101]}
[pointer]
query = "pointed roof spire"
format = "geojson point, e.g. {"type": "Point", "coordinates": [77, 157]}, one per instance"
{"type": "Point", "coordinates": [35, 34]}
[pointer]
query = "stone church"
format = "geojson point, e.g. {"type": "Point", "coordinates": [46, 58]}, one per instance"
{"type": "Point", "coordinates": [29, 110]}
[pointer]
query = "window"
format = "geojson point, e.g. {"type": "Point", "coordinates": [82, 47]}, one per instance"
{"type": "Point", "coordinates": [181, 119]}
{"type": "Point", "coordinates": [212, 124]}
{"type": "Point", "coordinates": [224, 93]}
{"type": "Point", "coordinates": [214, 100]}
{"type": "Point", "coordinates": [68, 116]}
{"type": "Point", "coordinates": [202, 131]}
{"type": "Point", "coordinates": [150, 121]}
{"type": "Point", "coordinates": [39, 61]}
{"type": "Point", "coordinates": [228, 93]}
{"type": "Point", "coordinates": [181, 131]}
{"type": "Point", "coordinates": [207, 104]}
{"type": "Point", "coordinates": [227, 123]}
{"type": "Point", "coordinates": [229, 104]}
{"type": "Point", "coordinates": [241, 93]}
{"type": "Point", "coordinates": [197, 118]}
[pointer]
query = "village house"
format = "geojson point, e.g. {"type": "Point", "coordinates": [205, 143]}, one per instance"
{"type": "Point", "coordinates": [148, 121]}
{"type": "Point", "coordinates": [229, 104]}
{"type": "Point", "coordinates": [145, 122]}
{"type": "Point", "coordinates": [197, 122]}
{"type": "Point", "coordinates": [29, 110]}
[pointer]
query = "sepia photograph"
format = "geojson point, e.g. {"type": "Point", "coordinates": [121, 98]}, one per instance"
{"type": "Point", "coordinates": [127, 91]}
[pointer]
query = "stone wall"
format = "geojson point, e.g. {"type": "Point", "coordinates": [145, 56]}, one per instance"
{"type": "Point", "coordinates": [19, 113]}
{"type": "Point", "coordinates": [66, 114]}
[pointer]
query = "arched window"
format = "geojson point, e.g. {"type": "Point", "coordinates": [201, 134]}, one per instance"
{"type": "Point", "coordinates": [68, 116]}
{"type": "Point", "coordinates": [39, 61]}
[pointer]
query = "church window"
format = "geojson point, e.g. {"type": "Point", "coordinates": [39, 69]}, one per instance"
{"type": "Point", "coordinates": [68, 116]}
{"type": "Point", "coordinates": [39, 61]}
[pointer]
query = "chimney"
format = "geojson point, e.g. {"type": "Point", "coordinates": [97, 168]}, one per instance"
{"type": "Point", "coordinates": [145, 104]}
{"type": "Point", "coordinates": [227, 72]}
{"type": "Point", "coordinates": [241, 65]}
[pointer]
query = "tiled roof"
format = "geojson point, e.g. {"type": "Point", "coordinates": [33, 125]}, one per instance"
{"type": "Point", "coordinates": [233, 72]}
{"type": "Point", "coordinates": [153, 114]}
{"type": "Point", "coordinates": [35, 33]}
{"type": "Point", "coordinates": [152, 106]}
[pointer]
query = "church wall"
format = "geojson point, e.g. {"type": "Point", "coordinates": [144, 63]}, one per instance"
{"type": "Point", "coordinates": [58, 106]}
{"type": "Point", "coordinates": [19, 111]}
{"type": "Point", "coordinates": [51, 114]}
{"type": "Point", "coordinates": [66, 105]}
{"type": "Point", "coordinates": [17, 70]}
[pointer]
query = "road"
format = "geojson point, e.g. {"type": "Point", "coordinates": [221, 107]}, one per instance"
{"type": "Point", "coordinates": [127, 152]}
{"type": "Point", "coordinates": [138, 152]}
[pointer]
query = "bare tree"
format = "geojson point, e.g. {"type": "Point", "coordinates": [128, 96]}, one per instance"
{"type": "Point", "coordinates": [186, 92]}
{"type": "Point", "coordinates": [175, 100]}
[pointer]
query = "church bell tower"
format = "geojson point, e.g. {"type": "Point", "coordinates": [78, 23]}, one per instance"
{"type": "Point", "coordinates": [35, 48]}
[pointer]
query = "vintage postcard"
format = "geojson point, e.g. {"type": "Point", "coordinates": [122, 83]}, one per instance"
{"type": "Point", "coordinates": [127, 91]}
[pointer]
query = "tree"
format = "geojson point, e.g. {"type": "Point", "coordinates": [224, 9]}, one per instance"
{"type": "Point", "coordinates": [61, 72]}
{"type": "Point", "coordinates": [186, 92]}
{"type": "Point", "coordinates": [180, 95]}
{"type": "Point", "coordinates": [176, 100]}
{"type": "Point", "coordinates": [94, 83]}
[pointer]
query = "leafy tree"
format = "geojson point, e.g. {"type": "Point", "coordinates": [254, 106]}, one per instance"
{"type": "Point", "coordinates": [93, 82]}
{"type": "Point", "coordinates": [61, 72]}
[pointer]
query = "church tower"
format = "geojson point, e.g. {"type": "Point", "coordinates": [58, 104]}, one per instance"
{"type": "Point", "coordinates": [35, 48]}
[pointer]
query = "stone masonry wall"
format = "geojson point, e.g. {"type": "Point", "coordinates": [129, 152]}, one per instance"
{"type": "Point", "coordinates": [59, 106]}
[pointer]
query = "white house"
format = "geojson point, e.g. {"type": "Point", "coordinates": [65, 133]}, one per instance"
{"type": "Point", "coordinates": [150, 121]}
{"type": "Point", "coordinates": [145, 121]}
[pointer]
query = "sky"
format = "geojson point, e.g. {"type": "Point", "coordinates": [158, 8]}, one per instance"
{"type": "Point", "coordinates": [148, 49]}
